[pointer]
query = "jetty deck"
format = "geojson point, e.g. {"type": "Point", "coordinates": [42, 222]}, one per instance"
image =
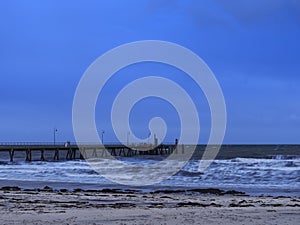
{"type": "Point", "coordinates": [71, 151]}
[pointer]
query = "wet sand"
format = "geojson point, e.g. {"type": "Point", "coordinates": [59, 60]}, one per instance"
{"type": "Point", "coordinates": [113, 206]}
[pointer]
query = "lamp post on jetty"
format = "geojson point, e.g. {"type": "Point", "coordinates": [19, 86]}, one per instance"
{"type": "Point", "coordinates": [54, 135]}
{"type": "Point", "coordinates": [128, 133]}
{"type": "Point", "coordinates": [102, 134]}
{"type": "Point", "coordinates": [149, 134]}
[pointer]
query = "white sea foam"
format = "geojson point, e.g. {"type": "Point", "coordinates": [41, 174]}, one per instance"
{"type": "Point", "coordinates": [282, 173]}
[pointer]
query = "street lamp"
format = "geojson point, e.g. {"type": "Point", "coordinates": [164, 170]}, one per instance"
{"type": "Point", "coordinates": [102, 134]}
{"type": "Point", "coordinates": [149, 134]}
{"type": "Point", "coordinates": [54, 135]}
{"type": "Point", "coordinates": [128, 133]}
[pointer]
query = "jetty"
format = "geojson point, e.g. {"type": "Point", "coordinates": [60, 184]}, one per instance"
{"type": "Point", "coordinates": [71, 151]}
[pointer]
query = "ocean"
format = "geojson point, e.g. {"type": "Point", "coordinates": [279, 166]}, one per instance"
{"type": "Point", "coordinates": [254, 169]}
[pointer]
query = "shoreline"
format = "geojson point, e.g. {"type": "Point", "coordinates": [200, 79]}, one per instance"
{"type": "Point", "coordinates": [70, 186]}
{"type": "Point", "coordinates": [112, 206]}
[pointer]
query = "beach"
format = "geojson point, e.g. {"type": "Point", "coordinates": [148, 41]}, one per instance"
{"type": "Point", "coordinates": [233, 190]}
{"type": "Point", "coordinates": [114, 206]}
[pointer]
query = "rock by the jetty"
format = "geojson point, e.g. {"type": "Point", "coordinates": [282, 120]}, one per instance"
{"type": "Point", "coordinates": [271, 205]}
{"type": "Point", "coordinates": [241, 205]}
{"type": "Point", "coordinates": [47, 188]}
{"type": "Point", "coordinates": [214, 191]}
{"type": "Point", "coordinates": [193, 204]}
{"type": "Point", "coordinates": [111, 191]}
{"type": "Point", "coordinates": [10, 188]}
{"type": "Point", "coordinates": [233, 192]}
{"type": "Point", "coordinates": [77, 190]}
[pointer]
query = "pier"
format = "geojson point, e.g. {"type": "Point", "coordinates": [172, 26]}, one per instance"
{"type": "Point", "coordinates": [72, 151]}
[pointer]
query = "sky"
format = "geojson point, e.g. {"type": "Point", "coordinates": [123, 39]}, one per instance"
{"type": "Point", "coordinates": [252, 47]}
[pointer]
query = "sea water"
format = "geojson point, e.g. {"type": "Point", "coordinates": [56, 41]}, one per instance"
{"type": "Point", "coordinates": [272, 175]}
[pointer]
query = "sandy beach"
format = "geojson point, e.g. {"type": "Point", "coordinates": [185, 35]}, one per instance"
{"type": "Point", "coordinates": [112, 206]}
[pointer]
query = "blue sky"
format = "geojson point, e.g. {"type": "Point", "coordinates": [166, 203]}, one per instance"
{"type": "Point", "coordinates": [252, 47]}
